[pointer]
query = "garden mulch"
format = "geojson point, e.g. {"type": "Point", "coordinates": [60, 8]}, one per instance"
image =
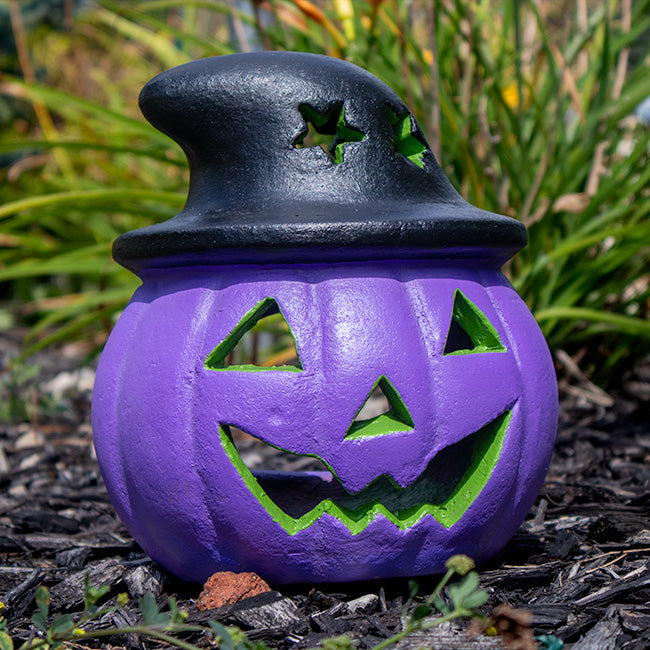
{"type": "Point", "coordinates": [578, 569]}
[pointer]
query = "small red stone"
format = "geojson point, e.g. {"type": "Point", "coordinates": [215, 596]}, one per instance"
{"type": "Point", "coordinates": [226, 588]}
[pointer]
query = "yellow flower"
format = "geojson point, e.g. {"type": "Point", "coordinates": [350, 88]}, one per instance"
{"type": "Point", "coordinates": [78, 632]}
{"type": "Point", "coordinates": [510, 95]}
{"type": "Point", "coordinates": [345, 13]}
{"type": "Point", "coordinates": [427, 55]}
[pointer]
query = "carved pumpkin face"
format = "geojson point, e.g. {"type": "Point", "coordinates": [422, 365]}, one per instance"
{"type": "Point", "coordinates": [454, 461]}
{"type": "Point", "coordinates": [452, 465]}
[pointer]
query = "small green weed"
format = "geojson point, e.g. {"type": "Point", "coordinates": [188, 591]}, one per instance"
{"type": "Point", "coordinates": [465, 596]}
{"type": "Point", "coordinates": [65, 630]}
{"type": "Point", "coordinates": [15, 394]}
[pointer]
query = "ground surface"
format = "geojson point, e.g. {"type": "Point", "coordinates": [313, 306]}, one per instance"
{"type": "Point", "coordinates": [580, 563]}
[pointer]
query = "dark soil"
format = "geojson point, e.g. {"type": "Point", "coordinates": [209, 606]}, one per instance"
{"type": "Point", "coordinates": [579, 563]}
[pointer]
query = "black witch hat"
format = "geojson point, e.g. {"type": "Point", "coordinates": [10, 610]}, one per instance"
{"type": "Point", "coordinates": [300, 157]}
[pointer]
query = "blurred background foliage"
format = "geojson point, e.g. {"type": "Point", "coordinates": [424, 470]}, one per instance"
{"type": "Point", "coordinates": [530, 106]}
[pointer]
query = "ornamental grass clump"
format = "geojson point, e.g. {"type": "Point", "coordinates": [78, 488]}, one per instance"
{"type": "Point", "coordinates": [529, 110]}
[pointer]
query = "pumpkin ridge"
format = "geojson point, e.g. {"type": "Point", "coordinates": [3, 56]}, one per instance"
{"type": "Point", "coordinates": [119, 469]}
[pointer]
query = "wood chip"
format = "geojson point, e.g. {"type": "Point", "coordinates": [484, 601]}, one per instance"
{"type": "Point", "coordinates": [579, 563]}
{"type": "Point", "coordinates": [280, 613]}
{"type": "Point", "coordinates": [637, 579]}
{"type": "Point", "coordinates": [69, 592]}
{"type": "Point", "coordinates": [603, 636]}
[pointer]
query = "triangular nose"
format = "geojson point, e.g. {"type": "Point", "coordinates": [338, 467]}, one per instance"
{"type": "Point", "coordinates": [383, 412]}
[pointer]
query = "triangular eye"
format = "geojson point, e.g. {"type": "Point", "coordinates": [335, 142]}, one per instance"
{"type": "Point", "coordinates": [382, 412]}
{"type": "Point", "coordinates": [262, 340]}
{"type": "Point", "coordinates": [470, 331]}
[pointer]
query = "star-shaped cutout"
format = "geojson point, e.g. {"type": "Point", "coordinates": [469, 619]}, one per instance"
{"type": "Point", "coordinates": [405, 141]}
{"type": "Point", "coordinates": [329, 131]}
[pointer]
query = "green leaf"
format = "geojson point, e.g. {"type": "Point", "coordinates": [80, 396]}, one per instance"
{"type": "Point", "coordinates": [149, 609]}
{"type": "Point", "coordinates": [91, 593]}
{"type": "Point", "coordinates": [414, 587]}
{"type": "Point", "coordinates": [6, 642]}
{"type": "Point", "coordinates": [459, 591]}
{"type": "Point", "coordinates": [502, 153]}
{"type": "Point", "coordinates": [62, 625]}
{"type": "Point", "coordinates": [441, 606]}
{"type": "Point", "coordinates": [176, 615]}
{"type": "Point", "coordinates": [42, 598]}
{"type": "Point", "coordinates": [222, 636]}
{"type": "Point", "coordinates": [39, 621]}
{"type": "Point", "coordinates": [475, 599]}
{"type": "Point", "coordinates": [78, 324]}
{"type": "Point", "coordinates": [421, 611]}
{"type": "Point", "coordinates": [150, 613]}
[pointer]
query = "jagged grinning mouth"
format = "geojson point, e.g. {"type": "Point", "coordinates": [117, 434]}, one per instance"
{"type": "Point", "coordinates": [451, 482]}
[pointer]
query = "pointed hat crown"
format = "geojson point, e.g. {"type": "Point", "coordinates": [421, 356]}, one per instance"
{"type": "Point", "coordinates": [259, 193]}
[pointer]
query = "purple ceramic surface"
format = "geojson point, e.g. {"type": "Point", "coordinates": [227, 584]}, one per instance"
{"type": "Point", "coordinates": [398, 503]}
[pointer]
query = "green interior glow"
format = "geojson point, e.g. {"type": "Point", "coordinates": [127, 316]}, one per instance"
{"type": "Point", "coordinates": [404, 140]}
{"type": "Point", "coordinates": [330, 131]}
{"type": "Point", "coordinates": [470, 331]}
{"type": "Point", "coordinates": [267, 309]}
{"type": "Point", "coordinates": [396, 419]}
{"type": "Point", "coordinates": [445, 502]}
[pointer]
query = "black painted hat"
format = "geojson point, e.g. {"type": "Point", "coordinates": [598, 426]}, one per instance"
{"type": "Point", "coordinates": [263, 189]}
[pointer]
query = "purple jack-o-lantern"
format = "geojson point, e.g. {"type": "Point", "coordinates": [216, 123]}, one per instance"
{"type": "Point", "coordinates": [384, 281]}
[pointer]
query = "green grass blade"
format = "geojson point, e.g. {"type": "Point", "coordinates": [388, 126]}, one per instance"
{"type": "Point", "coordinates": [66, 103]}
{"type": "Point", "coordinates": [90, 197]}
{"type": "Point", "coordinates": [606, 320]}
{"type": "Point", "coordinates": [158, 153]}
